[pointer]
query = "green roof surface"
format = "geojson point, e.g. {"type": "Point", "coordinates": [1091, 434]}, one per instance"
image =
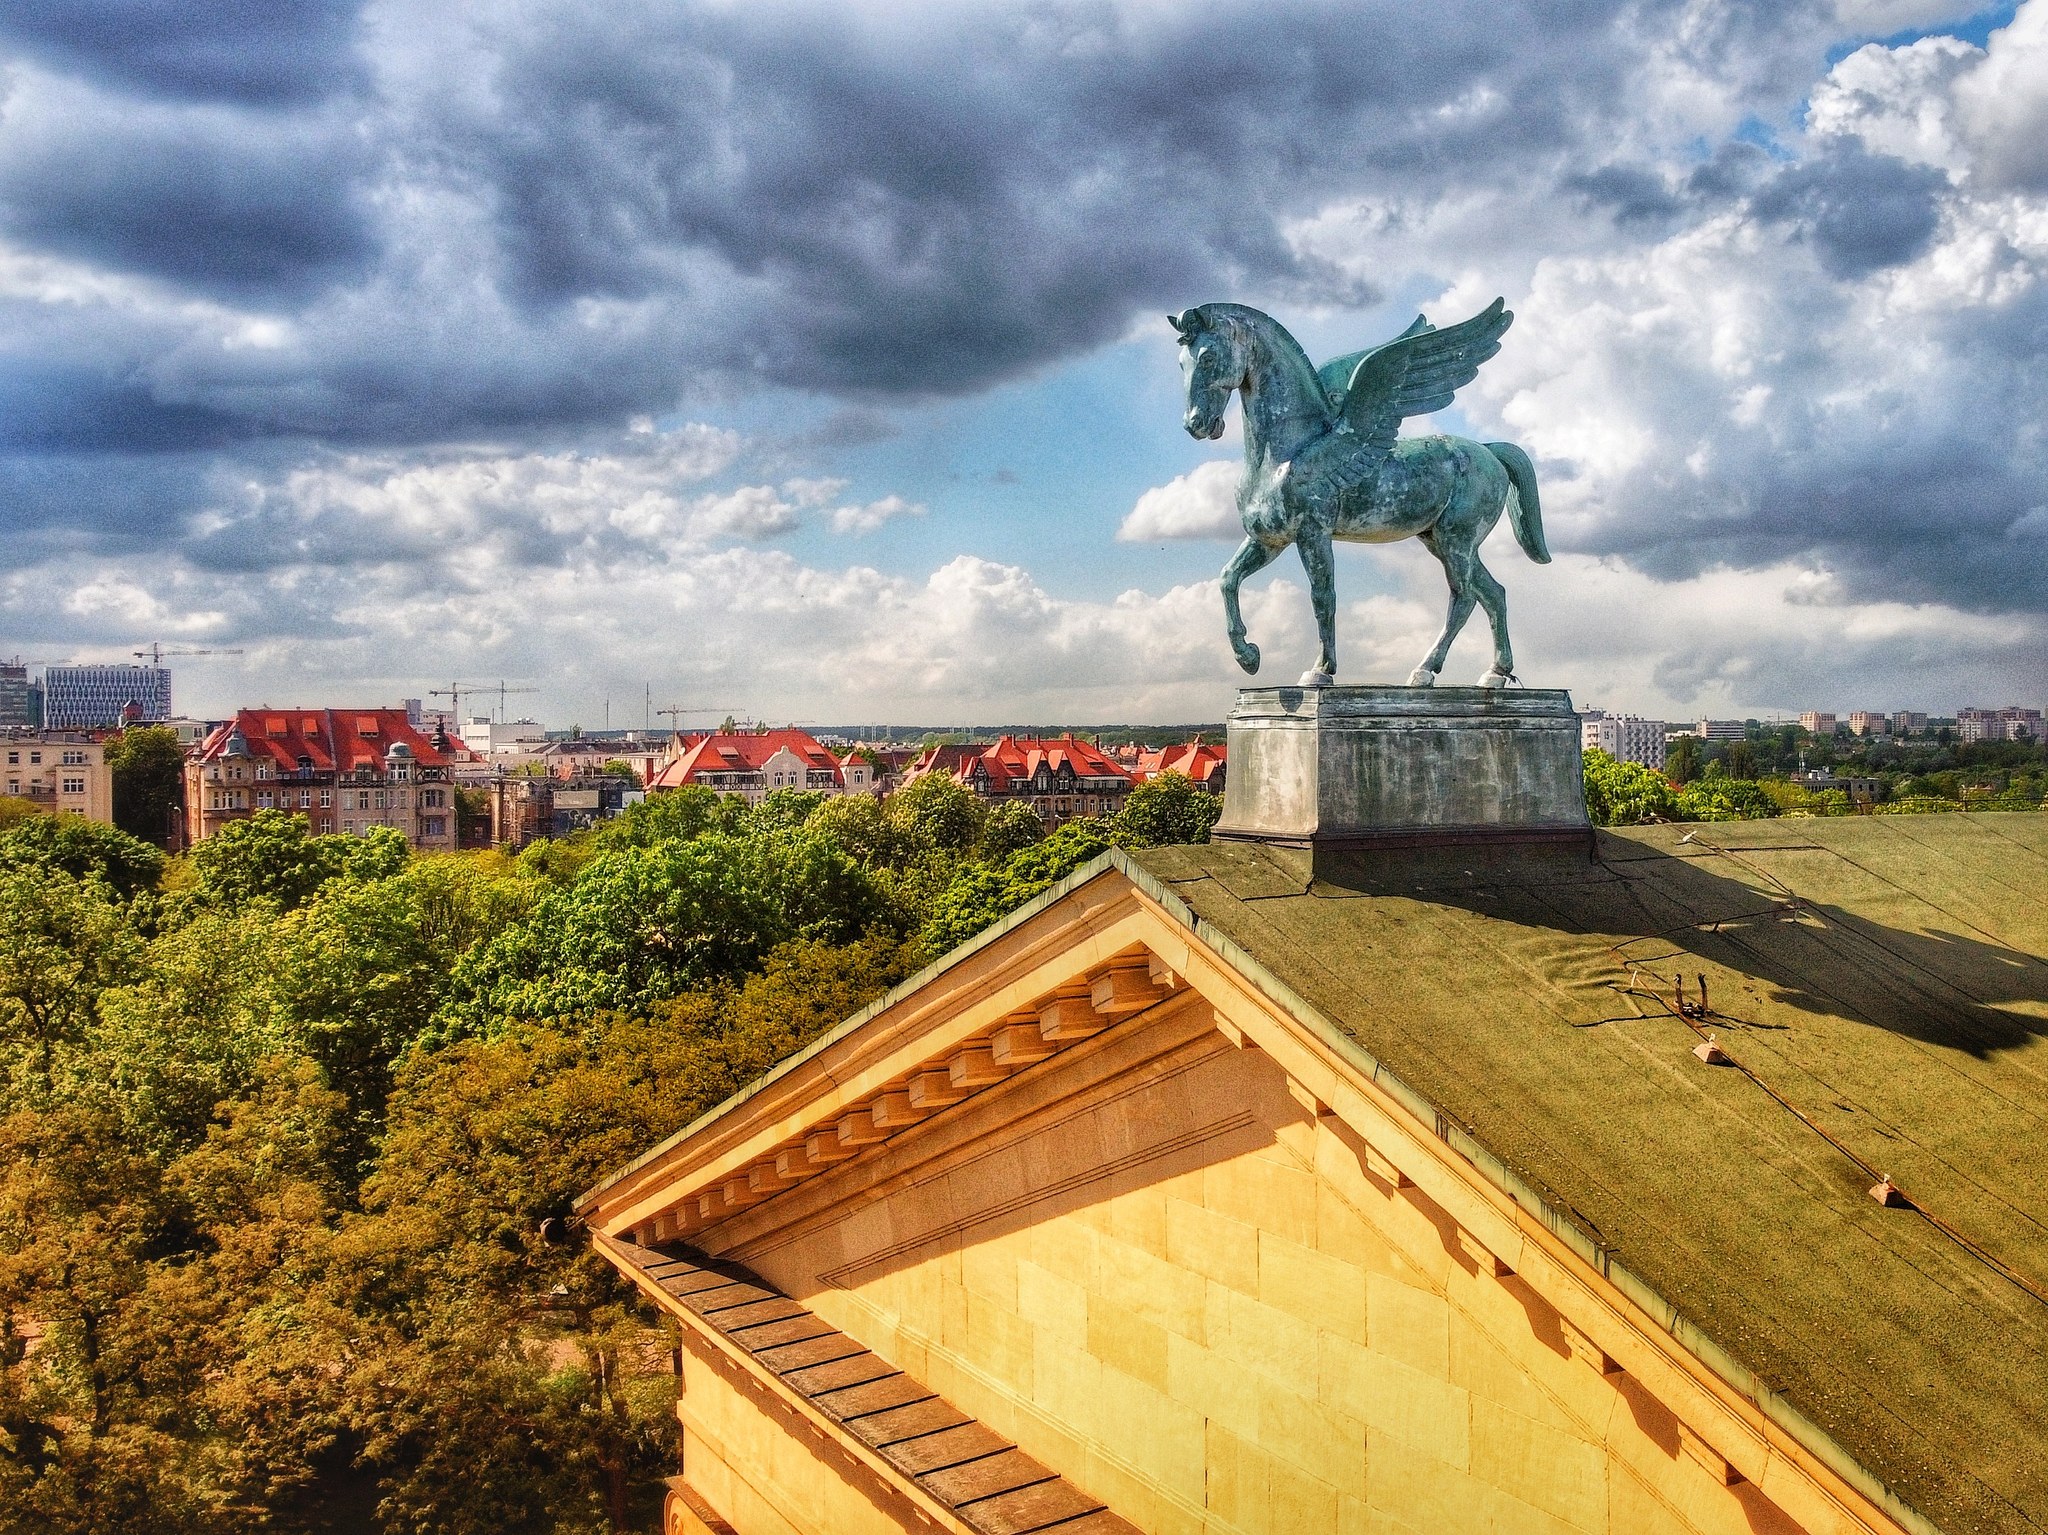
{"type": "Point", "coordinates": [1882, 986]}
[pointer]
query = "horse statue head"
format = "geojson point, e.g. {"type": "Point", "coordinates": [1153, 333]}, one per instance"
{"type": "Point", "coordinates": [1213, 366]}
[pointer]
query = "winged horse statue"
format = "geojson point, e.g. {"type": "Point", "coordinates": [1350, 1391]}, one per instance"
{"type": "Point", "coordinates": [1323, 460]}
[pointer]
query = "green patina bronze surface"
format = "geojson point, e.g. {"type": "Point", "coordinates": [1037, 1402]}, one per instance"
{"type": "Point", "coordinates": [1323, 461]}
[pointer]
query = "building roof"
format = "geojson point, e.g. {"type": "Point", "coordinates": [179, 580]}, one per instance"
{"type": "Point", "coordinates": [1880, 987]}
{"type": "Point", "coordinates": [1012, 758]}
{"type": "Point", "coordinates": [744, 752]}
{"type": "Point", "coordinates": [962, 1464]}
{"type": "Point", "coordinates": [1199, 760]}
{"type": "Point", "coordinates": [335, 739]}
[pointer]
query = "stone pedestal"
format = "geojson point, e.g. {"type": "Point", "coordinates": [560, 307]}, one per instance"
{"type": "Point", "coordinates": [1343, 768]}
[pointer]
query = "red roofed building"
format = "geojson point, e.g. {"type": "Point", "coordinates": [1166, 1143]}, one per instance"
{"type": "Point", "coordinates": [1200, 760]}
{"type": "Point", "coordinates": [754, 764]}
{"type": "Point", "coordinates": [1060, 778]}
{"type": "Point", "coordinates": [345, 770]}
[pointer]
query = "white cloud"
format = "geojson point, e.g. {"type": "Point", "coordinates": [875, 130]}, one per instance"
{"type": "Point", "coordinates": [865, 519]}
{"type": "Point", "coordinates": [1199, 504]}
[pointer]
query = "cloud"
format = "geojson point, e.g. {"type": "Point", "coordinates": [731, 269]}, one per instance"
{"type": "Point", "coordinates": [296, 300]}
{"type": "Point", "coordinates": [1199, 504]}
{"type": "Point", "coordinates": [866, 519]}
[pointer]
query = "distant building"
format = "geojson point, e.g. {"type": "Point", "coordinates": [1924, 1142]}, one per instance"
{"type": "Point", "coordinates": [345, 770]}
{"type": "Point", "coordinates": [1819, 781]}
{"type": "Point", "coordinates": [21, 701]}
{"type": "Point", "coordinates": [1815, 722]}
{"type": "Point", "coordinates": [104, 697]}
{"type": "Point", "coordinates": [486, 737]}
{"type": "Point", "coordinates": [1060, 778]}
{"type": "Point", "coordinates": [1905, 723]}
{"type": "Point", "coordinates": [1721, 730]}
{"type": "Point", "coordinates": [1625, 737]}
{"type": "Point", "coordinates": [61, 771]}
{"type": "Point", "coordinates": [1203, 761]}
{"type": "Point", "coordinates": [522, 809]}
{"type": "Point", "coordinates": [1865, 722]}
{"type": "Point", "coordinates": [754, 764]}
{"type": "Point", "coordinates": [2012, 723]}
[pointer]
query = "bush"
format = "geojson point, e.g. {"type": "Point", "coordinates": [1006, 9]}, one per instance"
{"type": "Point", "coordinates": [1626, 793]}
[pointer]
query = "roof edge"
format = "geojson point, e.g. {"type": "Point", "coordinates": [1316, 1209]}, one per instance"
{"type": "Point", "coordinates": [989, 935]}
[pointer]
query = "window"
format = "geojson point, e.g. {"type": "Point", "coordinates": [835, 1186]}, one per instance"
{"type": "Point", "coordinates": [14, 759]}
{"type": "Point", "coordinates": [326, 798]}
{"type": "Point", "coordinates": [433, 799]}
{"type": "Point", "coordinates": [263, 800]}
{"type": "Point", "coordinates": [262, 770]}
{"type": "Point", "coordinates": [14, 786]}
{"type": "Point", "coordinates": [305, 799]}
{"type": "Point", "coordinates": [35, 759]}
{"type": "Point", "coordinates": [382, 800]}
{"type": "Point", "coordinates": [435, 826]}
{"type": "Point", "coordinates": [74, 759]}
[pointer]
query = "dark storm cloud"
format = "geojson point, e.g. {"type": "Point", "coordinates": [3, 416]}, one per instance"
{"type": "Point", "coordinates": [1862, 211]}
{"type": "Point", "coordinates": [258, 51]}
{"type": "Point", "coordinates": [938, 207]}
{"type": "Point", "coordinates": [203, 201]}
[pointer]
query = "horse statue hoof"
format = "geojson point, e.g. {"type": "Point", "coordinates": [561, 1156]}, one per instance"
{"type": "Point", "coordinates": [1248, 657]}
{"type": "Point", "coordinates": [1496, 679]}
{"type": "Point", "coordinates": [1421, 677]}
{"type": "Point", "coordinates": [1317, 679]}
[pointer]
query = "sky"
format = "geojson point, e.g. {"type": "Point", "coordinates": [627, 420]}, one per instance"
{"type": "Point", "coordinates": [810, 362]}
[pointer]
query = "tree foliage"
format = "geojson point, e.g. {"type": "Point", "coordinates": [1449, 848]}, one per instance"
{"type": "Point", "coordinates": [148, 767]}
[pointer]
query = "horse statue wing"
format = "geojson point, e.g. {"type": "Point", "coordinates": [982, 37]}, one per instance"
{"type": "Point", "coordinates": [1336, 373]}
{"type": "Point", "coordinates": [1419, 373]}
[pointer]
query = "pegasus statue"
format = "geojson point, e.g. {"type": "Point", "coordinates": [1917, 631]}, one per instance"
{"type": "Point", "coordinates": [1323, 460]}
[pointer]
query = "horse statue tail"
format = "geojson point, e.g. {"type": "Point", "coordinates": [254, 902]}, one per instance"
{"type": "Point", "coordinates": [1524, 512]}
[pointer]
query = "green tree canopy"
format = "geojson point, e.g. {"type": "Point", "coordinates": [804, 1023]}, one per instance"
{"type": "Point", "coordinates": [273, 856]}
{"type": "Point", "coordinates": [149, 781]}
{"type": "Point", "coordinates": [1167, 811]}
{"type": "Point", "coordinates": [1625, 793]}
{"type": "Point", "coordinates": [70, 844]}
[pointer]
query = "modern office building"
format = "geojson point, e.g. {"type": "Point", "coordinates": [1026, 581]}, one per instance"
{"type": "Point", "coordinates": [21, 701]}
{"type": "Point", "coordinates": [102, 697]}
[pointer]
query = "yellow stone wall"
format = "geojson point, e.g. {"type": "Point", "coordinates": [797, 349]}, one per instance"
{"type": "Point", "coordinates": [1179, 1287]}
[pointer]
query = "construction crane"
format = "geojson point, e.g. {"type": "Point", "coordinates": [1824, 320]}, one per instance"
{"type": "Point", "coordinates": [678, 712]}
{"type": "Point", "coordinates": [455, 691]}
{"type": "Point", "coordinates": [156, 653]}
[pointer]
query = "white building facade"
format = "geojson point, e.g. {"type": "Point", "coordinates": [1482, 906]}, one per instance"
{"type": "Point", "coordinates": [1625, 737]}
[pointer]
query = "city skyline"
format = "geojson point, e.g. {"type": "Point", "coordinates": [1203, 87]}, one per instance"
{"type": "Point", "coordinates": [753, 357]}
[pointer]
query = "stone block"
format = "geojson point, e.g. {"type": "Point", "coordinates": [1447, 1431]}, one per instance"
{"type": "Point", "coordinates": [1127, 1343]}
{"type": "Point", "coordinates": [1342, 767]}
{"type": "Point", "coordinates": [1409, 1324]}
{"type": "Point", "coordinates": [1319, 1289]}
{"type": "Point", "coordinates": [1213, 1245]}
{"type": "Point", "coordinates": [1559, 1472]}
{"type": "Point", "coordinates": [1396, 1399]}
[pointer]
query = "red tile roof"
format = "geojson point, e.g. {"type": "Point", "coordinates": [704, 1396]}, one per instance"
{"type": "Point", "coordinates": [1200, 760]}
{"type": "Point", "coordinates": [335, 739]}
{"type": "Point", "coordinates": [745, 753]}
{"type": "Point", "coordinates": [1019, 757]}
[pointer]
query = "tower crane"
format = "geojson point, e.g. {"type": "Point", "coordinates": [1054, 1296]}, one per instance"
{"type": "Point", "coordinates": [456, 691]}
{"type": "Point", "coordinates": [676, 713]}
{"type": "Point", "coordinates": [156, 653]}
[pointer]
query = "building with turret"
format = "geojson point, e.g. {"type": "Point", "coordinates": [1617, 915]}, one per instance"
{"type": "Point", "coordinates": [345, 770]}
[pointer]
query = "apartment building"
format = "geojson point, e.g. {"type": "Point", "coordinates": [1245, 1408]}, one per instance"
{"type": "Point", "coordinates": [2012, 723]}
{"type": "Point", "coordinates": [61, 771]}
{"type": "Point", "coordinates": [1817, 722]}
{"type": "Point", "coordinates": [345, 770]}
{"type": "Point", "coordinates": [1061, 778]}
{"type": "Point", "coordinates": [1625, 737]}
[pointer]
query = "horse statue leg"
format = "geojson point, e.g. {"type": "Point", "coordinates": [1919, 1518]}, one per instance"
{"type": "Point", "coordinates": [1251, 558]}
{"type": "Point", "coordinates": [1313, 545]}
{"type": "Point", "coordinates": [1462, 599]}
